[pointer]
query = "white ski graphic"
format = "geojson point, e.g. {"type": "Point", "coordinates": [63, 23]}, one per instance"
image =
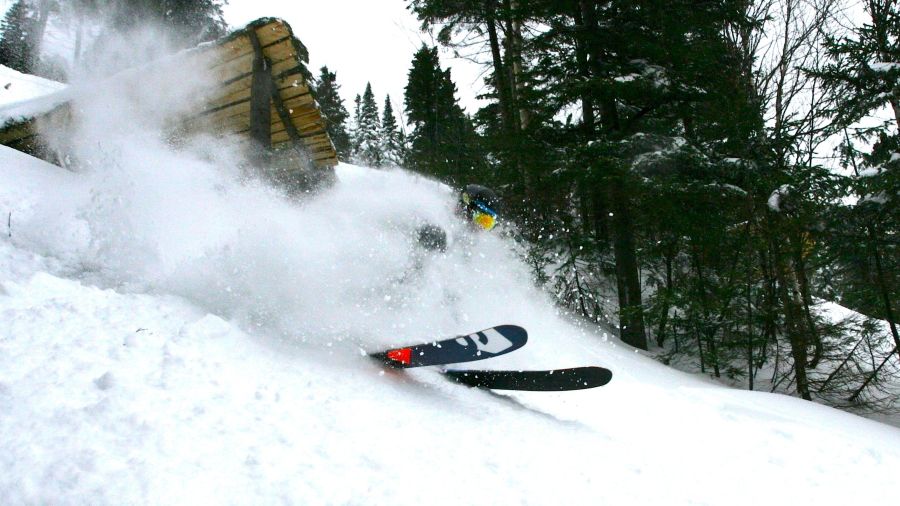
{"type": "Point", "coordinates": [496, 342]}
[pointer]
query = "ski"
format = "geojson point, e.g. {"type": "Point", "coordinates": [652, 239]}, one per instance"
{"type": "Point", "coordinates": [557, 380]}
{"type": "Point", "coordinates": [481, 345]}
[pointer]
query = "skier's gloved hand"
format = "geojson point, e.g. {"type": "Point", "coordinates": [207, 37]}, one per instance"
{"type": "Point", "coordinates": [432, 238]}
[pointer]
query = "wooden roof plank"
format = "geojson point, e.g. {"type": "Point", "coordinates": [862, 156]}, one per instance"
{"type": "Point", "coordinates": [239, 44]}
{"type": "Point", "coordinates": [228, 112]}
{"type": "Point", "coordinates": [271, 32]}
{"type": "Point", "coordinates": [281, 55]}
{"type": "Point", "coordinates": [239, 90]}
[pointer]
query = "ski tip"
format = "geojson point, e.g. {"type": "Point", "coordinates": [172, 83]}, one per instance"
{"type": "Point", "coordinates": [402, 356]}
{"type": "Point", "coordinates": [515, 332]}
{"type": "Point", "coordinates": [398, 358]}
{"type": "Point", "coordinates": [601, 375]}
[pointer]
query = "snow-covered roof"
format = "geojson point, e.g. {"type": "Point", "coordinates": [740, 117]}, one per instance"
{"type": "Point", "coordinates": [24, 96]}
{"type": "Point", "coordinates": [17, 87]}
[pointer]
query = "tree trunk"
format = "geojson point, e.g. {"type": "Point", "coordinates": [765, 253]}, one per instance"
{"type": "Point", "coordinates": [667, 297]}
{"type": "Point", "coordinates": [37, 37]}
{"type": "Point", "coordinates": [500, 72]}
{"type": "Point", "coordinates": [631, 314]}
{"type": "Point", "coordinates": [588, 120]}
{"type": "Point", "coordinates": [769, 297]}
{"type": "Point", "coordinates": [800, 272]}
{"type": "Point", "coordinates": [515, 59]}
{"type": "Point", "coordinates": [511, 64]}
{"type": "Point", "coordinates": [789, 292]}
{"type": "Point", "coordinates": [750, 368]}
{"type": "Point", "coordinates": [707, 330]}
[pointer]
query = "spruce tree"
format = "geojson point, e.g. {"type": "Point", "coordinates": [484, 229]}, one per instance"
{"type": "Point", "coordinates": [336, 115]}
{"type": "Point", "coordinates": [17, 48]}
{"type": "Point", "coordinates": [443, 141]}
{"type": "Point", "coordinates": [391, 136]}
{"type": "Point", "coordinates": [355, 137]}
{"type": "Point", "coordinates": [861, 77]}
{"type": "Point", "coordinates": [369, 151]}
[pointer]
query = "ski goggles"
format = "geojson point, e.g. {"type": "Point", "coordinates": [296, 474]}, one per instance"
{"type": "Point", "coordinates": [484, 216]}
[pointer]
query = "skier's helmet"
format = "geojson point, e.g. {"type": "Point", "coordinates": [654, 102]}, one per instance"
{"type": "Point", "coordinates": [479, 204]}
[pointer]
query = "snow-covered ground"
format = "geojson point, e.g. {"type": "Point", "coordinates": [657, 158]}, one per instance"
{"type": "Point", "coordinates": [173, 331]}
{"type": "Point", "coordinates": [173, 375]}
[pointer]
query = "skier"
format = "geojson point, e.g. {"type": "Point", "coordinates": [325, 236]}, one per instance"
{"type": "Point", "coordinates": [477, 205]}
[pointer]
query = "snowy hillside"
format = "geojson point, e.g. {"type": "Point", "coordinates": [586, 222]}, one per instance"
{"type": "Point", "coordinates": [175, 331]}
{"type": "Point", "coordinates": [161, 349]}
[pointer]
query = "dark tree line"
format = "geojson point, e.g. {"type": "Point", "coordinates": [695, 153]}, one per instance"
{"type": "Point", "coordinates": [666, 163]}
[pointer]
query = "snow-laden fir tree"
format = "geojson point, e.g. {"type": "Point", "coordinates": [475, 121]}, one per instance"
{"type": "Point", "coordinates": [354, 126]}
{"type": "Point", "coordinates": [862, 77]}
{"type": "Point", "coordinates": [368, 131]}
{"type": "Point", "coordinates": [392, 137]}
{"type": "Point", "coordinates": [336, 115]}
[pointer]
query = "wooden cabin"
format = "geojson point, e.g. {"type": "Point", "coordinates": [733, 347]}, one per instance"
{"type": "Point", "coordinates": [263, 94]}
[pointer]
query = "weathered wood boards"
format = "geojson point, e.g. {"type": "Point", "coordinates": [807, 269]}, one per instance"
{"type": "Point", "coordinates": [262, 93]}
{"type": "Point", "coordinates": [265, 82]}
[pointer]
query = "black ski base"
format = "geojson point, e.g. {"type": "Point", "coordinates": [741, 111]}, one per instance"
{"type": "Point", "coordinates": [558, 380]}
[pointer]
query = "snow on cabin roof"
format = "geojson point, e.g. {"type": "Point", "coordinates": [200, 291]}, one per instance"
{"type": "Point", "coordinates": [294, 116]}
{"type": "Point", "coordinates": [24, 96]}
{"type": "Point", "coordinates": [17, 87]}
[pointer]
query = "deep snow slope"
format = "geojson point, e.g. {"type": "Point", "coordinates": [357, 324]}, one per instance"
{"type": "Point", "coordinates": [172, 332]}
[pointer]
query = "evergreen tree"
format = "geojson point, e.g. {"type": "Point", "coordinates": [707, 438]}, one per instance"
{"type": "Point", "coordinates": [336, 115]}
{"type": "Point", "coordinates": [190, 21]}
{"type": "Point", "coordinates": [368, 131]}
{"type": "Point", "coordinates": [17, 45]}
{"type": "Point", "coordinates": [443, 141]}
{"type": "Point", "coordinates": [355, 137]}
{"type": "Point", "coordinates": [391, 136]}
{"type": "Point", "coordinates": [861, 77]}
